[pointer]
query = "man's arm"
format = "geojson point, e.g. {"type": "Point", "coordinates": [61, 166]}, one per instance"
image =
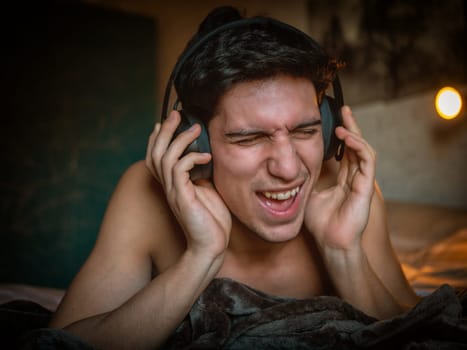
{"type": "Point", "coordinates": [381, 255]}
{"type": "Point", "coordinates": [338, 217]}
{"type": "Point", "coordinates": [376, 242]}
{"type": "Point", "coordinates": [157, 218]}
{"type": "Point", "coordinates": [112, 302]}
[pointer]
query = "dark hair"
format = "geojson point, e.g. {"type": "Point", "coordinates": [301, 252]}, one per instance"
{"type": "Point", "coordinates": [257, 51]}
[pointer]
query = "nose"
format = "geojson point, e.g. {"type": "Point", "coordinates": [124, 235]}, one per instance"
{"type": "Point", "coordinates": [283, 161]}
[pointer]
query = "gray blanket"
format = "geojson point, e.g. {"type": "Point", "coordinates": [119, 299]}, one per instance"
{"type": "Point", "coordinates": [230, 315]}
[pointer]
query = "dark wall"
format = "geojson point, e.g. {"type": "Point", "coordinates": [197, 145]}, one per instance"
{"type": "Point", "coordinates": [78, 105]}
{"type": "Point", "coordinates": [393, 49]}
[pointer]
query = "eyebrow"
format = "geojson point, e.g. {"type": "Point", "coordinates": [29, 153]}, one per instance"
{"type": "Point", "coordinates": [307, 124]}
{"type": "Point", "coordinates": [254, 132]}
{"type": "Point", "coordinates": [242, 133]}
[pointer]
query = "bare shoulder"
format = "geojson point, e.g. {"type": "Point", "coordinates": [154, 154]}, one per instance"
{"type": "Point", "coordinates": [144, 205]}
{"type": "Point", "coordinates": [138, 237]}
{"type": "Point", "coordinates": [137, 215]}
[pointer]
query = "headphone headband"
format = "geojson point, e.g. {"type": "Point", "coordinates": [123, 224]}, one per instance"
{"type": "Point", "coordinates": [338, 96]}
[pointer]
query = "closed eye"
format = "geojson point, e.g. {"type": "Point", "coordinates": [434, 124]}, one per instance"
{"type": "Point", "coordinates": [252, 137]}
{"type": "Point", "coordinates": [249, 140]}
{"type": "Point", "coordinates": [305, 132]}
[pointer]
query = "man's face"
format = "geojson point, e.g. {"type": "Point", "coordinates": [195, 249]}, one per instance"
{"type": "Point", "coordinates": [267, 149]}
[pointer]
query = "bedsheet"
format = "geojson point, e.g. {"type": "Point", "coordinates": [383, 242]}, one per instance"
{"type": "Point", "coordinates": [442, 262]}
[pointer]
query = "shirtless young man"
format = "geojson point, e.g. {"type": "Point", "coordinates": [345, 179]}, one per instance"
{"type": "Point", "coordinates": [265, 218]}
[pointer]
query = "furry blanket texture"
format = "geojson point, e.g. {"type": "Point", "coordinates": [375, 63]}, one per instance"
{"type": "Point", "coordinates": [230, 315]}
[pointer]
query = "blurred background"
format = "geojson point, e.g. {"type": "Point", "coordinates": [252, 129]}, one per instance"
{"type": "Point", "coordinates": [82, 84]}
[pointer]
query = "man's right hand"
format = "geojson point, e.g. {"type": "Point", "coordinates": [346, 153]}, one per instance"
{"type": "Point", "coordinates": [197, 206]}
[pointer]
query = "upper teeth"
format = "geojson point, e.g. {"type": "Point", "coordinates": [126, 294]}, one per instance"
{"type": "Point", "coordinates": [282, 195]}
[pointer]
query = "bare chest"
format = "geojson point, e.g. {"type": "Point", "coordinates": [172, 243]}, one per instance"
{"type": "Point", "coordinates": [298, 276]}
{"type": "Point", "coordinates": [295, 271]}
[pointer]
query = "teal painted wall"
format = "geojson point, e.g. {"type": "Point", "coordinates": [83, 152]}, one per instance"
{"type": "Point", "coordinates": [78, 92]}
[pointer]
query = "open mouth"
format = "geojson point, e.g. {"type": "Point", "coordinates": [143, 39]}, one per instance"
{"type": "Point", "coordinates": [281, 203]}
{"type": "Point", "coordinates": [281, 196]}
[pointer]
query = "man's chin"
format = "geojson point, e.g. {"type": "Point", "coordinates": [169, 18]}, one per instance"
{"type": "Point", "coordinates": [281, 234]}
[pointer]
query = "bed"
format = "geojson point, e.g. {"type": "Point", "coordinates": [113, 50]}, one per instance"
{"type": "Point", "coordinates": [430, 241]}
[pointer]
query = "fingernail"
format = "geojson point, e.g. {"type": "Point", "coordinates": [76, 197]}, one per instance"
{"type": "Point", "coordinates": [347, 109]}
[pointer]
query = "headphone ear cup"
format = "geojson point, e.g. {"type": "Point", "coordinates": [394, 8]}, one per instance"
{"type": "Point", "coordinates": [330, 119]}
{"type": "Point", "coordinates": [201, 145]}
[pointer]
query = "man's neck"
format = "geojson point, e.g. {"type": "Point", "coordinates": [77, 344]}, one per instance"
{"type": "Point", "coordinates": [284, 269]}
{"type": "Point", "coordinates": [245, 242]}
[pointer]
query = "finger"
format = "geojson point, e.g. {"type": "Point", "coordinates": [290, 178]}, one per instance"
{"type": "Point", "coordinates": [363, 151]}
{"type": "Point", "coordinates": [344, 169]}
{"type": "Point", "coordinates": [166, 132]}
{"type": "Point", "coordinates": [360, 157]}
{"type": "Point", "coordinates": [173, 156]}
{"type": "Point", "coordinates": [183, 193]}
{"type": "Point", "coordinates": [343, 133]}
{"type": "Point", "coordinates": [348, 166]}
{"type": "Point", "coordinates": [349, 121]}
{"type": "Point", "coordinates": [152, 139]}
{"type": "Point", "coordinates": [181, 170]}
{"type": "Point", "coordinates": [161, 143]}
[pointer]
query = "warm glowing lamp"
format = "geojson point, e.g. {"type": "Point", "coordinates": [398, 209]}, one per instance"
{"type": "Point", "coordinates": [448, 102]}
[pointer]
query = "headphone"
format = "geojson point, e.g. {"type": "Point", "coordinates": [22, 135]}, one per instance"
{"type": "Point", "coordinates": [330, 107]}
